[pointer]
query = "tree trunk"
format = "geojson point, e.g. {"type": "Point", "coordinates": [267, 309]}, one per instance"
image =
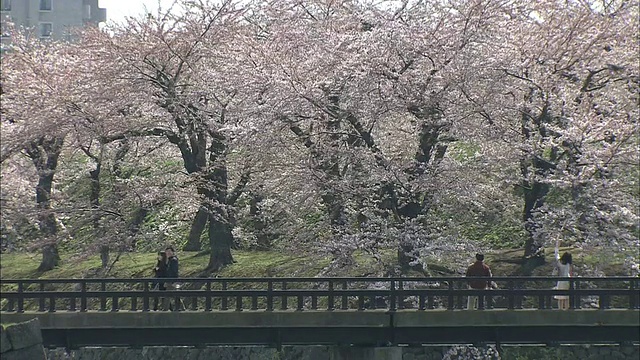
{"type": "Point", "coordinates": [50, 257]}
{"type": "Point", "coordinates": [104, 256]}
{"type": "Point", "coordinates": [220, 240]}
{"type": "Point", "coordinates": [533, 199]}
{"type": "Point", "coordinates": [220, 235]}
{"type": "Point", "coordinates": [136, 222]}
{"type": "Point", "coordinates": [258, 223]}
{"type": "Point", "coordinates": [334, 207]}
{"type": "Point", "coordinates": [197, 227]}
{"type": "Point", "coordinates": [44, 154]}
{"type": "Point", "coordinates": [94, 199]}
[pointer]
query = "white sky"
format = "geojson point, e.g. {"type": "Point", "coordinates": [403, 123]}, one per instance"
{"type": "Point", "coordinates": [117, 10]}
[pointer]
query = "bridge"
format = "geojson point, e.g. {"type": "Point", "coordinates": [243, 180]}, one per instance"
{"type": "Point", "coordinates": [325, 311]}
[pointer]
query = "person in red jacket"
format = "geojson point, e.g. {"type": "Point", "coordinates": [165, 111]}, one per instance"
{"type": "Point", "coordinates": [478, 268]}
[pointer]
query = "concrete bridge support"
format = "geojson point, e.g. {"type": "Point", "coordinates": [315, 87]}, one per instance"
{"type": "Point", "coordinates": [366, 353]}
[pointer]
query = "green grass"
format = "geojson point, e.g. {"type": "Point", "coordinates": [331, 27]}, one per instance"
{"type": "Point", "coordinates": [140, 265]}
{"type": "Point", "coordinates": [266, 264]}
{"type": "Point", "coordinates": [277, 264]}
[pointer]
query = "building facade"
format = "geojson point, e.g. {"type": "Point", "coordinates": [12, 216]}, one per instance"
{"type": "Point", "coordinates": [50, 19]}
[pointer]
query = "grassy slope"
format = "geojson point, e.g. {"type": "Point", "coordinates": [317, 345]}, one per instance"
{"type": "Point", "coordinates": [267, 264]}
{"type": "Point", "coordinates": [139, 265]}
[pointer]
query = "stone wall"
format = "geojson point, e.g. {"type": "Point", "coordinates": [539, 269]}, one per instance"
{"type": "Point", "coordinates": [22, 341]}
{"type": "Point", "coordinates": [338, 353]}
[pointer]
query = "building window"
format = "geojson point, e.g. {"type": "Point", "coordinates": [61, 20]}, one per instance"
{"type": "Point", "coordinates": [4, 32]}
{"type": "Point", "coordinates": [46, 5]}
{"type": "Point", "coordinates": [5, 5]}
{"type": "Point", "coordinates": [46, 29]}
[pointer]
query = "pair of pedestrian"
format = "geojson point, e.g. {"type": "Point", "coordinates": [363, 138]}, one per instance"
{"type": "Point", "coordinates": [480, 269]}
{"type": "Point", "coordinates": [167, 267]}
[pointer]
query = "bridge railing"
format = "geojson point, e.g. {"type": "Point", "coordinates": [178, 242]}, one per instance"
{"type": "Point", "coordinates": [299, 294]}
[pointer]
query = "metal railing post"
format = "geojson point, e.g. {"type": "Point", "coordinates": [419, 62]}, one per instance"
{"type": "Point", "coordinates": [20, 297]}
{"type": "Point", "coordinates": [145, 296]}
{"type": "Point", "coordinates": [269, 295]}
{"type": "Point", "coordinates": [224, 303]}
{"type": "Point", "coordinates": [450, 305]}
{"type": "Point", "coordinates": [392, 296]}
{"type": "Point", "coordinates": [207, 297]}
{"type": "Point", "coordinates": [330, 297]}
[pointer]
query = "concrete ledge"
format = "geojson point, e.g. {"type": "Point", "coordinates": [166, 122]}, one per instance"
{"type": "Point", "coordinates": [203, 319]}
{"type": "Point", "coordinates": [506, 318]}
{"type": "Point", "coordinates": [345, 319]}
{"type": "Point", "coordinates": [364, 328]}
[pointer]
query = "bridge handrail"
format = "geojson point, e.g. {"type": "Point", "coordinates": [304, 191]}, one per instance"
{"type": "Point", "coordinates": [392, 292]}
{"type": "Point", "coordinates": [322, 279]}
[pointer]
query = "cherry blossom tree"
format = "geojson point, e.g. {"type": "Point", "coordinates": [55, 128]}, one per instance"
{"type": "Point", "coordinates": [179, 68]}
{"type": "Point", "coordinates": [565, 107]}
{"type": "Point", "coordinates": [341, 76]}
{"type": "Point", "coordinates": [34, 121]}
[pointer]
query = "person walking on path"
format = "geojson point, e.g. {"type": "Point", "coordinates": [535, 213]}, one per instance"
{"type": "Point", "coordinates": [160, 272]}
{"type": "Point", "coordinates": [565, 270]}
{"type": "Point", "coordinates": [172, 273]}
{"type": "Point", "coordinates": [477, 269]}
{"type": "Point", "coordinates": [172, 262]}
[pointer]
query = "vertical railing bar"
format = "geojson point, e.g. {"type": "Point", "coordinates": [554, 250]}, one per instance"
{"type": "Point", "coordinates": [450, 305]}
{"type": "Point", "coordinates": [103, 299]}
{"type": "Point", "coordinates": [392, 295]}
{"type": "Point", "coordinates": [314, 302]}
{"type": "Point", "coordinates": [83, 295]}
{"type": "Point", "coordinates": [632, 295]}
{"type": "Point", "coordinates": [541, 302]}
{"type": "Point", "coordinates": [114, 303]}
{"type": "Point", "coordinates": [134, 303]}
{"type": "Point", "coordinates": [20, 297]}
{"type": "Point", "coordinates": [360, 302]}
{"type": "Point", "coordinates": [72, 303]}
{"type": "Point", "coordinates": [269, 295]}
{"type": "Point", "coordinates": [400, 294]}
{"type": "Point", "coordinates": [223, 302]}
{"type": "Point", "coordinates": [572, 294]}
{"type": "Point", "coordinates": [510, 297]}
{"type": "Point", "coordinates": [345, 299]}
{"type": "Point", "coordinates": [283, 305]}
{"type": "Point", "coordinates": [238, 302]}
{"type": "Point", "coordinates": [330, 296]}
{"type": "Point", "coordinates": [459, 297]}
{"type": "Point", "coordinates": [194, 303]}
{"type": "Point", "coordinates": [300, 303]}
{"type": "Point", "coordinates": [41, 302]}
{"type": "Point", "coordinates": [207, 297]}
{"type": "Point", "coordinates": [145, 296]}
{"type": "Point", "coordinates": [52, 303]}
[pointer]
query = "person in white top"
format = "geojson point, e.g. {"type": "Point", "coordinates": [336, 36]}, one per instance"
{"type": "Point", "coordinates": [564, 270]}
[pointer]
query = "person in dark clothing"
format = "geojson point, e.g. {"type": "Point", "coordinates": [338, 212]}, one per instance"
{"type": "Point", "coordinates": [160, 272]}
{"type": "Point", "coordinates": [478, 268]}
{"type": "Point", "coordinates": [172, 272]}
{"type": "Point", "coordinates": [172, 263]}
